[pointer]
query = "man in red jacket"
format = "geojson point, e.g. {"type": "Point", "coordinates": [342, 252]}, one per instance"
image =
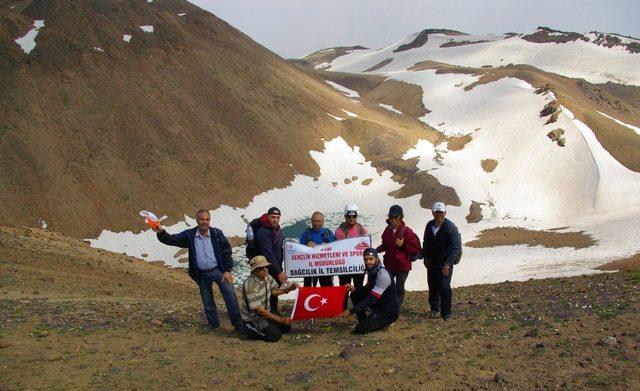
{"type": "Point", "coordinates": [400, 246]}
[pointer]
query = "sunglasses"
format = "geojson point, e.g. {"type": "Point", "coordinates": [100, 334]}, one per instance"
{"type": "Point", "coordinates": [351, 216]}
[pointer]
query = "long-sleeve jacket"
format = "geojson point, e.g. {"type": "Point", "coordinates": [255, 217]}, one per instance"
{"type": "Point", "coordinates": [186, 239]}
{"type": "Point", "coordinates": [323, 235]}
{"type": "Point", "coordinates": [398, 259]}
{"type": "Point", "coordinates": [269, 241]}
{"type": "Point", "coordinates": [444, 246]}
{"type": "Point", "coordinates": [382, 296]}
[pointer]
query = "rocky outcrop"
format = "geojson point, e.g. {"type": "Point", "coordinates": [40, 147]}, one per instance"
{"type": "Point", "coordinates": [547, 35]}
{"type": "Point", "coordinates": [556, 136]}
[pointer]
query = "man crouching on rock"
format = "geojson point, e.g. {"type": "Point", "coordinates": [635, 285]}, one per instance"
{"type": "Point", "coordinates": [379, 295]}
{"type": "Point", "coordinates": [257, 289]}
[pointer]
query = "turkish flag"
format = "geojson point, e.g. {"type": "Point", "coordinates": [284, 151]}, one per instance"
{"type": "Point", "coordinates": [321, 302]}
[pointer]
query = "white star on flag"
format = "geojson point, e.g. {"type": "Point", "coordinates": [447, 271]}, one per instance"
{"type": "Point", "coordinates": [323, 301]}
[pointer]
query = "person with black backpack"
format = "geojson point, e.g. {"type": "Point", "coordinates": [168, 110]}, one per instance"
{"type": "Point", "coordinates": [269, 240]}
{"type": "Point", "coordinates": [317, 234]}
{"type": "Point", "coordinates": [401, 246]}
{"type": "Point", "coordinates": [442, 248]}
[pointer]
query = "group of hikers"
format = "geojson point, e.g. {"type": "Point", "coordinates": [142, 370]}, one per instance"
{"type": "Point", "coordinates": [376, 304]}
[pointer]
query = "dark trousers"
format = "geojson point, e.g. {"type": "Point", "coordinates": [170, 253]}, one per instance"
{"type": "Point", "coordinates": [228, 294]}
{"type": "Point", "coordinates": [272, 333]}
{"type": "Point", "coordinates": [439, 289]}
{"type": "Point", "coordinates": [273, 300]}
{"type": "Point", "coordinates": [400, 278]}
{"type": "Point", "coordinates": [313, 281]}
{"type": "Point", "coordinates": [370, 322]}
{"type": "Point", "coordinates": [358, 282]}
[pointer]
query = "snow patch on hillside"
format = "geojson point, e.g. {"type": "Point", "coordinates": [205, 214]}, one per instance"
{"type": "Point", "coordinates": [634, 128]}
{"type": "Point", "coordinates": [343, 89]}
{"type": "Point", "coordinates": [577, 59]}
{"type": "Point", "coordinates": [390, 108]}
{"type": "Point", "coordinates": [147, 28]}
{"type": "Point", "coordinates": [28, 42]}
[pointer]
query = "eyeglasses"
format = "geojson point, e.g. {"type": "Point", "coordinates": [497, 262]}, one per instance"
{"type": "Point", "coordinates": [350, 216]}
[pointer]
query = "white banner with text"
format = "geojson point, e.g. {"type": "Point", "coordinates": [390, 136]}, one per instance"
{"type": "Point", "coordinates": [327, 259]}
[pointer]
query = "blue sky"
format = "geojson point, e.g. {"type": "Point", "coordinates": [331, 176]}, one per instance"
{"type": "Point", "coordinates": [294, 28]}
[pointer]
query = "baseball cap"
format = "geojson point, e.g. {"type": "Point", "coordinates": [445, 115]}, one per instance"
{"type": "Point", "coordinates": [273, 211]}
{"type": "Point", "coordinates": [370, 251]}
{"type": "Point", "coordinates": [439, 207]}
{"type": "Point", "coordinates": [258, 261]}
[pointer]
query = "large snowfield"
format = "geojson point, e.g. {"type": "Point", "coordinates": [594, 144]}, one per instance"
{"type": "Point", "coordinates": [536, 184]}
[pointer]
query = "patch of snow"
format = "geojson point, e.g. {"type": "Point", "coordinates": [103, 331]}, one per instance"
{"type": "Point", "coordinates": [329, 192]}
{"type": "Point", "coordinates": [350, 114]}
{"type": "Point", "coordinates": [336, 118]}
{"type": "Point", "coordinates": [322, 65]}
{"type": "Point", "coordinates": [390, 108]}
{"type": "Point", "coordinates": [343, 89]}
{"type": "Point", "coordinates": [28, 41]}
{"type": "Point", "coordinates": [147, 28]}
{"type": "Point", "coordinates": [98, 49]}
{"type": "Point", "coordinates": [576, 59]}
{"type": "Point", "coordinates": [12, 7]}
{"type": "Point", "coordinates": [634, 128]}
{"type": "Point", "coordinates": [182, 14]}
{"type": "Point", "coordinates": [126, 38]}
{"type": "Point", "coordinates": [43, 224]}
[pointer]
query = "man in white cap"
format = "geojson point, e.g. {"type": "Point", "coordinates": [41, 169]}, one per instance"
{"type": "Point", "coordinates": [441, 249]}
{"type": "Point", "coordinates": [259, 322]}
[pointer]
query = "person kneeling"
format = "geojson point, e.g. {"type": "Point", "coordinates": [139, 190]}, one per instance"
{"type": "Point", "coordinates": [257, 289]}
{"type": "Point", "coordinates": [379, 295]}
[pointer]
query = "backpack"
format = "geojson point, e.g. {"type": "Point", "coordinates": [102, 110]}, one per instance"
{"type": "Point", "coordinates": [252, 249]}
{"type": "Point", "coordinates": [418, 255]}
{"type": "Point", "coordinates": [325, 236]}
{"type": "Point", "coordinates": [345, 230]}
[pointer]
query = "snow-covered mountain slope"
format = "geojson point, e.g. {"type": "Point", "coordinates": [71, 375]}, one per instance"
{"type": "Point", "coordinates": [568, 54]}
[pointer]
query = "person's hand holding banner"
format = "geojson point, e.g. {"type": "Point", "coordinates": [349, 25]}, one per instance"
{"type": "Point", "coordinates": [323, 302]}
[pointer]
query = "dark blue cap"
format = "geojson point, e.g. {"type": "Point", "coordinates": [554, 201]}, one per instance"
{"type": "Point", "coordinates": [395, 211]}
{"type": "Point", "coordinates": [370, 251]}
{"type": "Point", "coordinates": [273, 211]}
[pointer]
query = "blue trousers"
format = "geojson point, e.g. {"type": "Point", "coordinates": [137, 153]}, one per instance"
{"type": "Point", "coordinates": [439, 289]}
{"type": "Point", "coordinates": [228, 294]}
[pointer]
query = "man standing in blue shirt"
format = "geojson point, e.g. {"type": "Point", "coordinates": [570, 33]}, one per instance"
{"type": "Point", "coordinates": [209, 261]}
{"type": "Point", "coordinates": [317, 234]}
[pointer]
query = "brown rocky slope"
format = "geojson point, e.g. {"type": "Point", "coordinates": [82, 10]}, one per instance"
{"type": "Point", "coordinates": [73, 317]}
{"type": "Point", "coordinates": [191, 116]}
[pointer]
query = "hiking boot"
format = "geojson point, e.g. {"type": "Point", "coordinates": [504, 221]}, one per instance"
{"type": "Point", "coordinates": [433, 314]}
{"type": "Point", "coordinates": [446, 318]}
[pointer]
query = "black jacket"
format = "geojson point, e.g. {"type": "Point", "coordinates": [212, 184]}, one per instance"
{"type": "Point", "coordinates": [445, 246]}
{"type": "Point", "coordinates": [186, 239]}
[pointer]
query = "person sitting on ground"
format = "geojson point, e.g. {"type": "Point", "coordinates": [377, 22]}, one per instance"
{"type": "Point", "coordinates": [399, 245]}
{"type": "Point", "coordinates": [379, 295]}
{"type": "Point", "coordinates": [317, 234]}
{"type": "Point", "coordinates": [259, 323]}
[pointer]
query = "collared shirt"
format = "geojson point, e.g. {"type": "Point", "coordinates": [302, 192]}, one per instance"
{"type": "Point", "coordinates": [435, 229]}
{"type": "Point", "coordinates": [205, 257]}
{"type": "Point", "coordinates": [256, 294]}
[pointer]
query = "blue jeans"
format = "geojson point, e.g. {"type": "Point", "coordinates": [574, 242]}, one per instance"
{"type": "Point", "coordinates": [228, 294]}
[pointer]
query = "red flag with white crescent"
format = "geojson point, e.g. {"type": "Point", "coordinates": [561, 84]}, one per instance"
{"type": "Point", "coordinates": [321, 302]}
